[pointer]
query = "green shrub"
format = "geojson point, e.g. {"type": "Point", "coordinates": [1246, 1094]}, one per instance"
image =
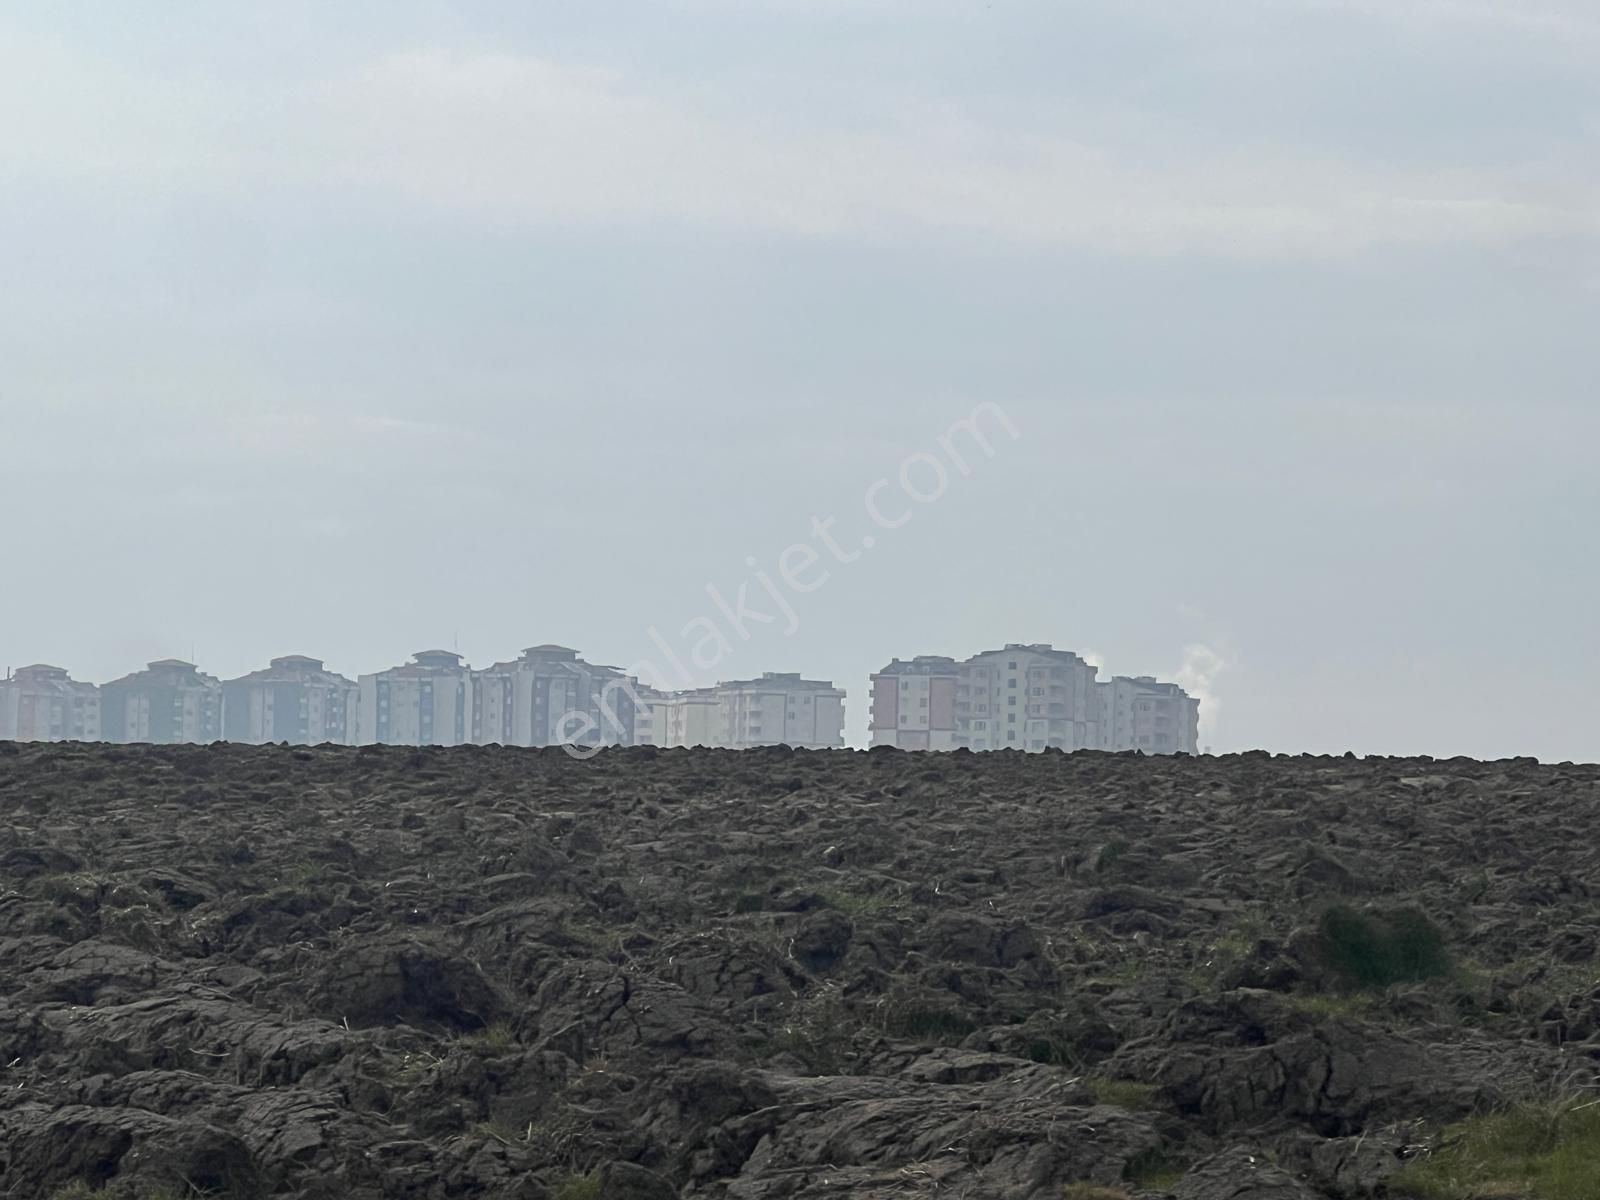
{"type": "Point", "coordinates": [1541, 1151]}
{"type": "Point", "coordinates": [1374, 950]}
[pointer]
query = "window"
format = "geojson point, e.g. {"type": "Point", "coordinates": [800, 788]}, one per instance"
{"type": "Point", "coordinates": [1011, 683]}
{"type": "Point", "coordinates": [1012, 700]}
{"type": "Point", "coordinates": [1012, 665]}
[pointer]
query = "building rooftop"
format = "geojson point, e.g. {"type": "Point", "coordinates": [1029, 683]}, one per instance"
{"type": "Point", "coordinates": [164, 668]}
{"type": "Point", "coordinates": [293, 668]}
{"type": "Point", "coordinates": [922, 664]}
{"type": "Point", "coordinates": [787, 678]}
{"type": "Point", "coordinates": [437, 658]}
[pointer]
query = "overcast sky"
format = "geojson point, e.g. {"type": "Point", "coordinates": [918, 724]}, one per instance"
{"type": "Point", "coordinates": [352, 330]}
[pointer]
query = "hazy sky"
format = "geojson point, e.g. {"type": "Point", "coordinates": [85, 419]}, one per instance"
{"type": "Point", "coordinates": [355, 329]}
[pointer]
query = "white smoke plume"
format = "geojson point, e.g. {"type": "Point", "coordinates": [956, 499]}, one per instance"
{"type": "Point", "coordinates": [1198, 676]}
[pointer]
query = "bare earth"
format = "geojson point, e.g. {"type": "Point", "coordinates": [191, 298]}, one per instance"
{"type": "Point", "coordinates": [255, 972]}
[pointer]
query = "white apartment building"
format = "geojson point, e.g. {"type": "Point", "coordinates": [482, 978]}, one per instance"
{"type": "Point", "coordinates": [1141, 713]}
{"type": "Point", "coordinates": [295, 700]}
{"type": "Point", "coordinates": [44, 704]}
{"type": "Point", "coordinates": [549, 696]}
{"type": "Point", "coordinates": [781, 709]}
{"type": "Point", "coordinates": [913, 704]}
{"type": "Point", "coordinates": [778, 709]}
{"type": "Point", "coordinates": [169, 702]}
{"type": "Point", "coordinates": [1026, 696]}
{"type": "Point", "coordinates": [427, 702]}
{"type": "Point", "coordinates": [690, 718]}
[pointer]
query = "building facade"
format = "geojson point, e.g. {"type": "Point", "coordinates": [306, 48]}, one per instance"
{"type": "Point", "coordinates": [44, 704]}
{"type": "Point", "coordinates": [1142, 713]}
{"type": "Point", "coordinates": [168, 703]}
{"type": "Point", "coordinates": [1029, 697]}
{"type": "Point", "coordinates": [550, 696]}
{"type": "Point", "coordinates": [295, 700]}
{"type": "Point", "coordinates": [913, 704]}
{"type": "Point", "coordinates": [691, 718]}
{"type": "Point", "coordinates": [427, 702]}
{"type": "Point", "coordinates": [1026, 696]}
{"type": "Point", "coordinates": [778, 709]}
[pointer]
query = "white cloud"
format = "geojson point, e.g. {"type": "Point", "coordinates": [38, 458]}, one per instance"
{"type": "Point", "coordinates": [516, 139]}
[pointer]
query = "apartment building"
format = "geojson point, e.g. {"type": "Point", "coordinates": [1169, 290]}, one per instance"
{"type": "Point", "coordinates": [427, 702]}
{"type": "Point", "coordinates": [1142, 713]}
{"type": "Point", "coordinates": [780, 709]}
{"type": "Point", "coordinates": [1026, 696]}
{"type": "Point", "coordinates": [550, 696]}
{"type": "Point", "coordinates": [295, 700]}
{"type": "Point", "coordinates": [692, 718]}
{"type": "Point", "coordinates": [646, 715]}
{"type": "Point", "coordinates": [44, 704]}
{"type": "Point", "coordinates": [913, 704]}
{"type": "Point", "coordinates": [169, 702]}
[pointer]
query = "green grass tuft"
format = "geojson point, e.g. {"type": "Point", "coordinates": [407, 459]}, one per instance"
{"type": "Point", "coordinates": [927, 1023]}
{"type": "Point", "coordinates": [577, 1187]}
{"type": "Point", "coordinates": [1541, 1151]}
{"type": "Point", "coordinates": [1123, 1093]}
{"type": "Point", "coordinates": [497, 1038]}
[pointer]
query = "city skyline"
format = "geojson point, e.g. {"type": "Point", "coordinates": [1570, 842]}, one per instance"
{"type": "Point", "coordinates": [548, 695]}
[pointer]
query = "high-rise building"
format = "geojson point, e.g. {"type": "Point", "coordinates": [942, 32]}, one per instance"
{"type": "Point", "coordinates": [1026, 696]}
{"type": "Point", "coordinates": [44, 704]}
{"type": "Point", "coordinates": [295, 700]}
{"type": "Point", "coordinates": [427, 702]}
{"type": "Point", "coordinates": [1029, 697]}
{"type": "Point", "coordinates": [1141, 713]}
{"type": "Point", "coordinates": [169, 702]}
{"type": "Point", "coordinates": [914, 704]}
{"type": "Point", "coordinates": [778, 709]}
{"type": "Point", "coordinates": [550, 696]}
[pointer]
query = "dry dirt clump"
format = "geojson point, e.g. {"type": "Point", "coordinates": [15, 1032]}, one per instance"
{"type": "Point", "coordinates": [427, 974]}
